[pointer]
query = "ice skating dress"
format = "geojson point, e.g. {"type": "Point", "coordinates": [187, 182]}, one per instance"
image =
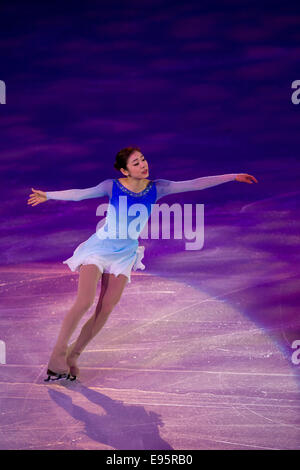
{"type": "Point", "coordinates": [114, 247]}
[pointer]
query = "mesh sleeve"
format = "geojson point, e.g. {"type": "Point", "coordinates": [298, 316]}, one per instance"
{"type": "Point", "coordinates": [102, 189]}
{"type": "Point", "coordinates": [165, 187]}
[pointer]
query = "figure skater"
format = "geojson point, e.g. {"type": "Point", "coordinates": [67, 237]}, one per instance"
{"type": "Point", "coordinates": [109, 254]}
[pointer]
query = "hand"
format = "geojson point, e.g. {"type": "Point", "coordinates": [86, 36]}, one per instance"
{"type": "Point", "coordinates": [37, 197]}
{"type": "Point", "coordinates": [244, 178]}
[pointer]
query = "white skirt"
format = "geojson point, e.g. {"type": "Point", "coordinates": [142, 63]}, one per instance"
{"type": "Point", "coordinates": [115, 256]}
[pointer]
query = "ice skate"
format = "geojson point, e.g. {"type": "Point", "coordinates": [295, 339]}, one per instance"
{"type": "Point", "coordinates": [58, 371]}
{"type": "Point", "coordinates": [57, 375]}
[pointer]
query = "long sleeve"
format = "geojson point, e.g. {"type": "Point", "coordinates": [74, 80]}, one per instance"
{"type": "Point", "coordinates": [165, 187]}
{"type": "Point", "coordinates": [102, 189]}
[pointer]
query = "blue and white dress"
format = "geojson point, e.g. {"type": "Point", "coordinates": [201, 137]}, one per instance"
{"type": "Point", "coordinates": [114, 248]}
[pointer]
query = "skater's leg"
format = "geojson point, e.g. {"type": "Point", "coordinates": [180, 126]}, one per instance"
{"type": "Point", "coordinates": [111, 291]}
{"type": "Point", "coordinates": [72, 352]}
{"type": "Point", "coordinates": [89, 276]}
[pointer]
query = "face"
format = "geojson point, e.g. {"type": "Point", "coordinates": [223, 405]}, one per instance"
{"type": "Point", "coordinates": [137, 166]}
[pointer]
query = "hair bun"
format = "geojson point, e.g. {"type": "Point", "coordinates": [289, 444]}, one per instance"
{"type": "Point", "coordinates": [122, 157]}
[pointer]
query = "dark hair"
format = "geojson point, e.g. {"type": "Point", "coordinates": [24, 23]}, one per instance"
{"type": "Point", "coordinates": [122, 157]}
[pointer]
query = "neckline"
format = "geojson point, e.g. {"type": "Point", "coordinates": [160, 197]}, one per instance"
{"type": "Point", "coordinates": [133, 192]}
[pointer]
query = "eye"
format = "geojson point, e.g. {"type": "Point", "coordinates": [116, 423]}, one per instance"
{"type": "Point", "coordinates": [136, 164]}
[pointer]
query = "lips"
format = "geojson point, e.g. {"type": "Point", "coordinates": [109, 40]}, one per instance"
{"type": "Point", "coordinates": [144, 172]}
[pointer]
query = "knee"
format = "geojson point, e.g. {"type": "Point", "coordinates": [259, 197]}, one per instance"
{"type": "Point", "coordinates": [83, 304]}
{"type": "Point", "coordinates": [107, 306]}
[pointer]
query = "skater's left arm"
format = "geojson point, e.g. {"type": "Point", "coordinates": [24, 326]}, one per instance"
{"type": "Point", "coordinates": [165, 187]}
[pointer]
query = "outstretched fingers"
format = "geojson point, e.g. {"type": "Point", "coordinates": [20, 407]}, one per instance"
{"type": "Point", "coordinates": [253, 179]}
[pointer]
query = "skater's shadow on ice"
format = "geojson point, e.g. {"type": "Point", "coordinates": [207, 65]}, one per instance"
{"type": "Point", "coordinates": [120, 426]}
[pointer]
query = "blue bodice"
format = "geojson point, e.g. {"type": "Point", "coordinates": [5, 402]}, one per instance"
{"type": "Point", "coordinates": [128, 212]}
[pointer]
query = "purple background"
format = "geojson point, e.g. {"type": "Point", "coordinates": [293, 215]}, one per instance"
{"type": "Point", "coordinates": [203, 88]}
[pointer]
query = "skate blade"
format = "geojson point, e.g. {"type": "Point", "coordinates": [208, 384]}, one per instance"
{"type": "Point", "coordinates": [57, 376]}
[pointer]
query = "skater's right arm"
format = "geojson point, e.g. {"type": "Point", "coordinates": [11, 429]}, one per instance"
{"type": "Point", "coordinates": [101, 189]}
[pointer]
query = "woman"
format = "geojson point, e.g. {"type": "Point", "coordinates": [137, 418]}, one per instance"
{"type": "Point", "coordinates": [108, 254]}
